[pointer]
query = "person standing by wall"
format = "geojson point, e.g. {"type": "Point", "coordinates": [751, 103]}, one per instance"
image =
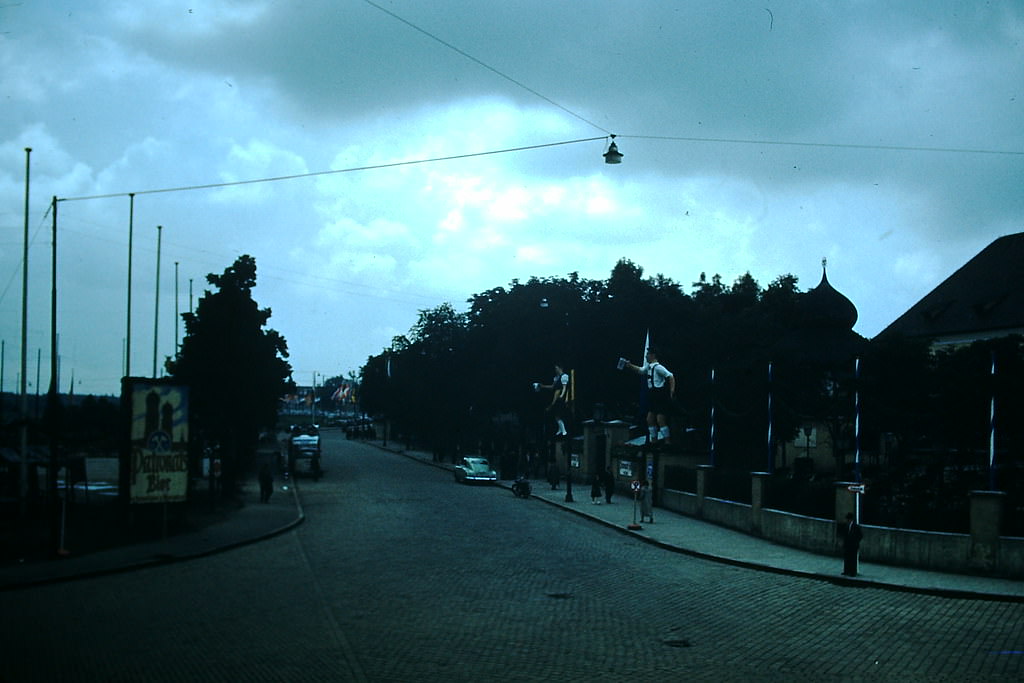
{"type": "Point", "coordinates": [646, 504]}
{"type": "Point", "coordinates": [852, 536]}
{"type": "Point", "coordinates": [266, 483]}
{"type": "Point", "coordinates": [608, 480]}
{"type": "Point", "coordinates": [661, 391]}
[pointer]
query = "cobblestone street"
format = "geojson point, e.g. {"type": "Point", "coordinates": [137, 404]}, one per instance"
{"type": "Point", "coordinates": [399, 574]}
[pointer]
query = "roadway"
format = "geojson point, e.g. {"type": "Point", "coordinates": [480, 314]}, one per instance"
{"type": "Point", "coordinates": [399, 574]}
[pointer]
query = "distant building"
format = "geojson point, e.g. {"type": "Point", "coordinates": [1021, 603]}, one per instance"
{"type": "Point", "coordinates": [984, 299]}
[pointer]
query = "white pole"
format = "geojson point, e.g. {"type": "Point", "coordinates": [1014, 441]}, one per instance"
{"type": "Point", "coordinates": [992, 430]}
{"type": "Point", "coordinates": [23, 478]}
{"type": "Point", "coordinates": [156, 315]}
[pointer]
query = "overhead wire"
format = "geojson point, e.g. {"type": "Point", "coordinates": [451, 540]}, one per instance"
{"type": "Point", "coordinates": [411, 162]}
{"type": "Point", "coordinates": [834, 145]}
{"type": "Point", "coordinates": [487, 66]}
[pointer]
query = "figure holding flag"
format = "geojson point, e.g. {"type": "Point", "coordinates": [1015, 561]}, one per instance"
{"type": "Point", "coordinates": [661, 391]}
{"type": "Point", "coordinates": [561, 395]}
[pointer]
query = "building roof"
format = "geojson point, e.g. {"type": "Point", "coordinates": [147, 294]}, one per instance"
{"type": "Point", "coordinates": [983, 299]}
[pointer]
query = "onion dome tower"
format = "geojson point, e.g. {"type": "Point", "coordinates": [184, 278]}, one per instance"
{"type": "Point", "coordinates": [824, 307]}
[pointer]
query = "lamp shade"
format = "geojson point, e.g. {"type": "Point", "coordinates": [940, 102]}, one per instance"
{"type": "Point", "coordinates": [613, 155]}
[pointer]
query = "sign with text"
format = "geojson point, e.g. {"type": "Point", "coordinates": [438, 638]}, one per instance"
{"type": "Point", "coordinates": [158, 466]}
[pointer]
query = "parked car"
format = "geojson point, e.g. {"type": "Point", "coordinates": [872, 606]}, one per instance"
{"type": "Point", "coordinates": [304, 450]}
{"type": "Point", "coordinates": [474, 469]}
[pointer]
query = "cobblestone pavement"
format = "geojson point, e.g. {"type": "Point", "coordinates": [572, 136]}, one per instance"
{"type": "Point", "coordinates": [399, 574]}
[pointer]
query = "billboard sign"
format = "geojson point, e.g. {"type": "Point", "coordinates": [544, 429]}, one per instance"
{"type": "Point", "coordinates": [158, 460]}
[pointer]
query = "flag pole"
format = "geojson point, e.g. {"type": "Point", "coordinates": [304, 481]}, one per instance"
{"type": "Point", "coordinates": [992, 429]}
{"type": "Point", "coordinates": [23, 475]}
{"type": "Point", "coordinates": [771, 454]}
{"type": "Point", "coordinates": [712, 430]}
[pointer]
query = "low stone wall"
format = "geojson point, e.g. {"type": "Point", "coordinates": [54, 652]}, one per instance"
{"type": "Point", "coordinates": [932, 549]}
{"type": "Point", "coordinates": [904, 547]}
{"type": "Point", "coordinates": [813, 534]}
{"type": "Point", "coordinates": [727, 513]}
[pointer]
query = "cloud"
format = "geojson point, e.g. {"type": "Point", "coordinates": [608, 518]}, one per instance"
{"type": "Point", "coordinates": [124, 99]}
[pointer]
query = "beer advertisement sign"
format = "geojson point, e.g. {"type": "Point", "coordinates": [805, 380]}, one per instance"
{"type": "Point", "coordinates": [158, 467]}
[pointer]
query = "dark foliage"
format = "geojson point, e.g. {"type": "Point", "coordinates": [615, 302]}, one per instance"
{"type": "Point", "coordinates": [459, 380]}
{"type": "Point", "coordinates": [234, 367]}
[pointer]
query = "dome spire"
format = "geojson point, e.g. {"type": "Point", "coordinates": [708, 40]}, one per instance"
{"type": "Point", "coordinates": [826, 306]}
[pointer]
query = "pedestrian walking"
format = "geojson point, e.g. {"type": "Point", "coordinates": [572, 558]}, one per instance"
{"type": "Point", "coordinates": [646, 505]}
{"type": "Point", "coordinates": [852, 536]}
{"type": "Point", "coordinates": [266, 483]}
{"type": "Point", "coordinates": [609, 484]}
{"type": "Point", "coordinates": [595, 490]}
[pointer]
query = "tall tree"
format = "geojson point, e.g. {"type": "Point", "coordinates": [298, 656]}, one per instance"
{"type": "Point", "coordinates": [235, 369]}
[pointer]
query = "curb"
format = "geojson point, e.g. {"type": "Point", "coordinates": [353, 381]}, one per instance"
{"type": "Point", "coordinates": [162, 559]}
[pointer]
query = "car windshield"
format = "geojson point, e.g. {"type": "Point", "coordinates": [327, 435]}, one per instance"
{"type": "Point", "coordinates": [478, 465]}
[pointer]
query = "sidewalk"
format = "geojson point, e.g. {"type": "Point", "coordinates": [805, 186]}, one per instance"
{"type": "Point", "coordinates": [251, 523]}
{"type": "Point", "coordinates": [687, 535]}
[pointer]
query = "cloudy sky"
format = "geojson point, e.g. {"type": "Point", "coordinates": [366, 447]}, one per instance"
{"type": "Point", "coordinates": [758, 137]}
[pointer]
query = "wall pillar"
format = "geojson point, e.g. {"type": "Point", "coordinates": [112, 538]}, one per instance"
{"type": "Point", "coordinates": [616, 432]}
{"type": "Point", "coordinates": [986, 522]}
{"type": "Point", "coordinates": [758, 492]}
{"type": "Point", "coordinates": [703, 481]}
{"type": "Point", "coordinates": [590, 433]}
{"type": "Point", "coordinates": [846, 501]}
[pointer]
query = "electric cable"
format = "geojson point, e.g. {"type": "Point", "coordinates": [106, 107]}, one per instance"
{"type": "Point", "coordinates": [313, 174]}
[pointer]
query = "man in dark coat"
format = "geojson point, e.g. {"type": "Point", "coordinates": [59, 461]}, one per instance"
{"type": "Point", "coordinates": [608, 480]}
{"type": "Point", "coordinates": [851, 544]}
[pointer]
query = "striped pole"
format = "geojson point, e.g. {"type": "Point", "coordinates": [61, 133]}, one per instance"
{"type": "Point", "coordinates": [856, 419]}
{"type": "Point", "coordinates": [771, 454]}
{"type": "Point", "coordinates": [992, 429]}
{"type": "Point", "coordinates": [712, 437]}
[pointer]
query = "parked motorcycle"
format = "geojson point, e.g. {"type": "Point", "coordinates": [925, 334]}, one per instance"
{"type": "Point", "coordinates": [521, 487]}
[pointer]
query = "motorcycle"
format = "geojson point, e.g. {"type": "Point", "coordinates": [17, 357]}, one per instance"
{"type": "Point", "coordinates": [521, 487]}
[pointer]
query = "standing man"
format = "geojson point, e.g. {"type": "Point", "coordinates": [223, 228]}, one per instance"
{"type": "Point", "coordinates": [661, 390]}
{"type": "Point", "coordinates": [609, 484]}
{"type": "Point", "coordinates": [559, 398]}
{"type": "Point", "coordinates": [851, 544]}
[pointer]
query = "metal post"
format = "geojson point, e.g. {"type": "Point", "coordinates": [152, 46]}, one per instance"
{"type": "Point", "coordinates": [56, 523]}
{"type": "Point", "coordinates": [23, 475]}
{"type": "Point", "coordinates": [175, 307]}
{"type": "Point", "coordinates": [39, 362]}
{"type": "Point", "coordinates": [156, 314]}
{"type": "Point", "coordinates": [128, 323]}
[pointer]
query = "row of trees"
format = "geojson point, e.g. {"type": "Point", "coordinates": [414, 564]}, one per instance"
{"type": "Point", "coordinates": [460, 377]}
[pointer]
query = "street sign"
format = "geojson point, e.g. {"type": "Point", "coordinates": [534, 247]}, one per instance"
{"type": "Point", "coordinates": [855, 488]}
{"type": "Point", "coordinates": [635, 485]}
